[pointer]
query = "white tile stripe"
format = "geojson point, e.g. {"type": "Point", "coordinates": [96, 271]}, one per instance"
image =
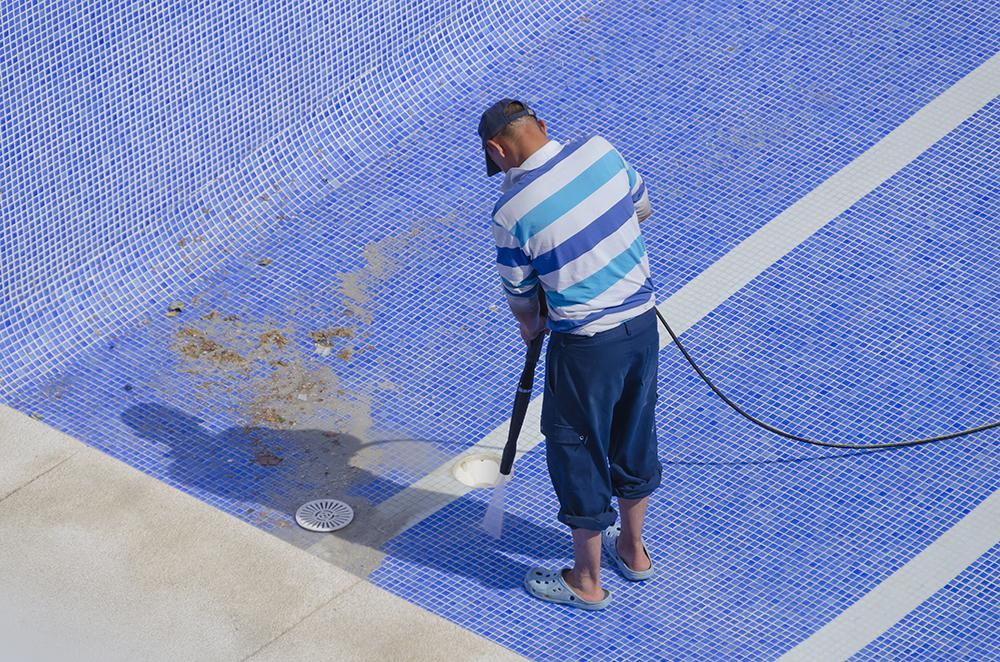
{"type": "Point", "coordinates": [906, 589]}
{"type": "Point", "coordinates": [708, 290]}
{"type": "Point", "coordinates": [702, 294]}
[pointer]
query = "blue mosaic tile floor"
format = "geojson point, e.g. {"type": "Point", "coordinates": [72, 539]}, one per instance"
{"type": "Point", "coordinates": [761, 540]}
{"type": "Point", "coordinates": [316, 206]}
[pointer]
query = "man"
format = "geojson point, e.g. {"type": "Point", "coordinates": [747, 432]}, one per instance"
{"type": "Point", "coordinates": [567, 227]}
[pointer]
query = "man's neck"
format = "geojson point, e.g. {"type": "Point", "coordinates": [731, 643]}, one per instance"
{"type": "Point", "coordinates": [531, 149]}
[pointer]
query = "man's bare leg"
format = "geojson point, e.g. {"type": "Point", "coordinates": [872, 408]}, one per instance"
{"type": "Point", "coordinates": [585, 577]}
{"type": "Point", "coordinates": [633, 514]}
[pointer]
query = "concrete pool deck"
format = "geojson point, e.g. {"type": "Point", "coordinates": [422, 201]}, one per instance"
{"type": "Point", "coordinates": [101, 561]}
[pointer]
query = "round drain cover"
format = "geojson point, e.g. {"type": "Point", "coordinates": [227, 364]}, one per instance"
{"type": "Point", "coordinates": [324, 515]}
{"type": "Point", "coordinates": [478, 470]}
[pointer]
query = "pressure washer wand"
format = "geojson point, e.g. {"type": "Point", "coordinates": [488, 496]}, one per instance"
{"type": "Point", "coordinates": [493, 520]}
{"type": "Point", "coordinates": [523, 396]}
{"type": "Point", "coordinates": [521, 400]}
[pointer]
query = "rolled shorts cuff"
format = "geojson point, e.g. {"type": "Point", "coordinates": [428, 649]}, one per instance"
{"type": "Point", "coordinates": [597, 523]}
{"type": "Point", "coordinates": [638, 490]}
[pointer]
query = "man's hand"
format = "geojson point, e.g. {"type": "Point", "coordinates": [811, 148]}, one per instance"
{"type": "Point", "coordinates": [530, 328]}
{"type": "Point", "coordinates": [529, 313]}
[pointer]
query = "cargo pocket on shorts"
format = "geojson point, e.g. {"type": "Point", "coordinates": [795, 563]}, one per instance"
{"type": "Point", "coordinates": [565, 435]}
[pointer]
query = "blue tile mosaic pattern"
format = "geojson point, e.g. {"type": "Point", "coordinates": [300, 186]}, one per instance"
{"type": "Point", "coordinates": [761, 541]}
{"type": "Point", "coordinates": [307, 185]}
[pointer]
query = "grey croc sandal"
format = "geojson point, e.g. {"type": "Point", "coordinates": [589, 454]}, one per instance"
{"type": "Point", "coordinates": [609, 540]}
{"type": "Point", "coordinates": [549, 585]}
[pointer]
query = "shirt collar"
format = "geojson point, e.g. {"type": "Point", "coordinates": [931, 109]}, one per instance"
{"type": "Point", "coordinates": [538, 158]}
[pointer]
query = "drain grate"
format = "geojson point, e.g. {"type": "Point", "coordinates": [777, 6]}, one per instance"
{"type": "Point", "coordinates": [324, 515]}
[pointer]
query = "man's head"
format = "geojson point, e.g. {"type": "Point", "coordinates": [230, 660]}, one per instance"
{"type": "Point", "coordinates": [510, 132]}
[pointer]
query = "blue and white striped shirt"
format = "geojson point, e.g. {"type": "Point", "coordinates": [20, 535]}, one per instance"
{"type": "Point", "coordinates": [568, 221]}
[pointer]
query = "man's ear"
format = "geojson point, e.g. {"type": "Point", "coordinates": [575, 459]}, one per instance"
{"type": "Point", "coordinates": [544, 127]}
{"type": "Point", "coordinates": [495, 150]}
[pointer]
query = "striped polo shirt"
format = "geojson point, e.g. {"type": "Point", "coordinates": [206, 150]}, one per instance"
{"type": "Point", "coordinates": [568, 221]}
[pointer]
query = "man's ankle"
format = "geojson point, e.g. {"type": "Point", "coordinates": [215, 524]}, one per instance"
{"type": "Point", "coordinates": [629, 545]}
{"type": "Point", "coordinates": [636, 553]}
{"type": "Point", "coordinates": [583, 580]}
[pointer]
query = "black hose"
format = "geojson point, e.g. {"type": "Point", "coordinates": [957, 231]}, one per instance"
{"type": "Point", "coordinates": [828, 444]}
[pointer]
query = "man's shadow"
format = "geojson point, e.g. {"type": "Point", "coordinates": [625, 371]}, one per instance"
{"type": "Point", "coordinates": [276, 471]}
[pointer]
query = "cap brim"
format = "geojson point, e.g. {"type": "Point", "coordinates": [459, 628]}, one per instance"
{"type": "Point", "coordinates": [491, 167]}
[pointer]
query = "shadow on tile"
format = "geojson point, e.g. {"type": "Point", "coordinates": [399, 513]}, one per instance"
{"type": "Point", "coordinates": [276, 471]}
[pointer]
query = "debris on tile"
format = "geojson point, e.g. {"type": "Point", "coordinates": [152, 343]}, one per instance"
{"type": "Point", "coordinates": [268, 380]}
{"type": "Point", "coordinates": [184, 241]}
{"type": "Point", "coordinates": [323, 339]}
{"type": "Point", "coordinates": [57, 387]}
{"type": "Point", "coordinates": [269, 415]}
{"type": "Point", "coordinates": [335, 332]}
{"type": "Point", "coordinates": [197, 345]}
{"type": "Point", "coordinates": [275, 337]}
{"type": "Point", "coordinates": [266, 458]}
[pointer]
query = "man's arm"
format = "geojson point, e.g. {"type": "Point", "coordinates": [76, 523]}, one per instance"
{"type": "Point", "coordinates": [530, 319]}
{"type": "Point", "coordinates": [519, 282]}
{"type": "Point", "coordinates": [640, 198]}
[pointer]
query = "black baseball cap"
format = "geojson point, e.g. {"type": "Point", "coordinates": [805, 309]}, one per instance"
{"type": "Point", "coordinates": [494, 119]}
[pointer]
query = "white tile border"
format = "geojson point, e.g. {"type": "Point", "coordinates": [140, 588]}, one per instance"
{"type": "Point", "coordinates": [906, 589]}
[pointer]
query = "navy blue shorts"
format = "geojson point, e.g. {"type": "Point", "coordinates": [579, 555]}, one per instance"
{"type": "Point", "coordinates": [598, 419]}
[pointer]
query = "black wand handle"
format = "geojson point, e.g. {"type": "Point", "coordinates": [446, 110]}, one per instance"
{"type": "Point", "coordinates": [523, 396]}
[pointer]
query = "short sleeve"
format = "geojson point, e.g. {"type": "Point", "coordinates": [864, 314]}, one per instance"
{"type": "Point", "coordinates": [637, 188]}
